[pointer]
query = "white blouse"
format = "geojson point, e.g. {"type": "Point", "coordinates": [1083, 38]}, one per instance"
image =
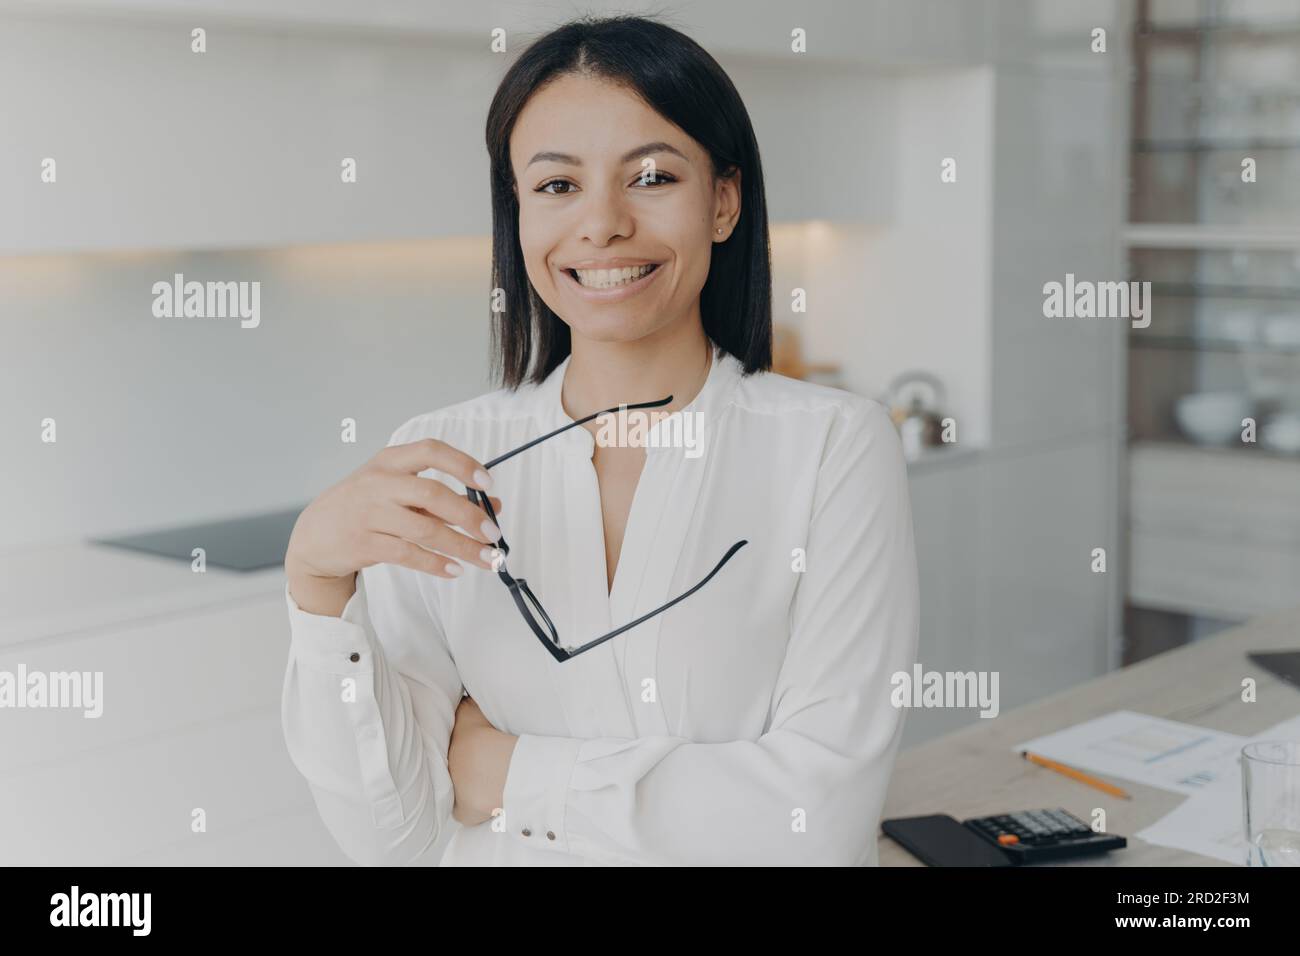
{"type": "Point", "coordinates": [749, 724]}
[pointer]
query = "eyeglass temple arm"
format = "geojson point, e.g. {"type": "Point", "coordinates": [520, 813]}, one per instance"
{"type": "Point", "coordinates": [581, 421]}
{"type": "Point", "coordinates": [681, 597]}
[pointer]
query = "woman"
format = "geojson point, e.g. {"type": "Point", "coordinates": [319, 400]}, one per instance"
{"type": "Point", "coordinates": [750, 722]}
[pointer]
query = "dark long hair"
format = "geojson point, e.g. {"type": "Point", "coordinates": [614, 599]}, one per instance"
{"type": "Point", "coordinates": [685, 85]}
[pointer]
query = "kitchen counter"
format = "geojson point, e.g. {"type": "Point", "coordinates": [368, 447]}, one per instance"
{"type": "Point", "coordinates": [73, 586]}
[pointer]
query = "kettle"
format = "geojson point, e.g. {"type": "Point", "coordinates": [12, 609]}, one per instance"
{"type": "Point", "coordinates": [915, 400]}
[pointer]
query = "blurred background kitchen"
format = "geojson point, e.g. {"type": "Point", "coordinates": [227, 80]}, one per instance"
{"type": "Point", "coordinates": [1070, 434]}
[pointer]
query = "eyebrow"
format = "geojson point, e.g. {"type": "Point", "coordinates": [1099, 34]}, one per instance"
{"type": "Point", "coordinates": [627, 157]}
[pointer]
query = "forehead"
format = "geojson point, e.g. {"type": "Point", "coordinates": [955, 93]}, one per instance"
{"type": "Point", "coordinates": [592, 118]}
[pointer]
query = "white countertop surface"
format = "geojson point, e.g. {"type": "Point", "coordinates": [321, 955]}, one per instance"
{"type": "Point", "coordinates": [71, 586]}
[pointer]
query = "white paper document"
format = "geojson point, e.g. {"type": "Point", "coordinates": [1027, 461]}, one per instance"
{"type": "Point", "coordinates": [1208, 823]}
{"type": "Point", "coordinates": [1211, 822]}
{"type": "Point", "coordinates": [1205, 764]}
{"type": "Point", "coordinates": [1150, 750]}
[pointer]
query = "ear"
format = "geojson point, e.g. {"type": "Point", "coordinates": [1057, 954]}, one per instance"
{"type": "Point", "coordinates": [730, 184]}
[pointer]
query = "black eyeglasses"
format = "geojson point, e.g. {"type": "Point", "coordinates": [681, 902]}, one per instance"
{"type": "Point", "coordinates": [526, 601]}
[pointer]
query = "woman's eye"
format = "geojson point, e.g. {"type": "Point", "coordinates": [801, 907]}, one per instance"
{"type": "Point", "coordinates": [664, 177]}
{"type": "Point", "coordinates": [545, 187]}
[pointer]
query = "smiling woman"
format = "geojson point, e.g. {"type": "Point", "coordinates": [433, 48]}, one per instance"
{"type": "Point", "coordinates": [624, 127]}
{"type": "Point", "coordinates": [607, 690]}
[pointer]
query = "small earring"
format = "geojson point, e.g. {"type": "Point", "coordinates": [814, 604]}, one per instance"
{"type": "Point", "coordinates": [719, 230]}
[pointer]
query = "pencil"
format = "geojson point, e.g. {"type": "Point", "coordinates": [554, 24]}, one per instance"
{"type": "Point", "coordinates": [1079, 775]}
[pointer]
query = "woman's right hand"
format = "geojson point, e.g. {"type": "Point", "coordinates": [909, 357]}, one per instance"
{"type": "Point", "coordinates": [384, 513]}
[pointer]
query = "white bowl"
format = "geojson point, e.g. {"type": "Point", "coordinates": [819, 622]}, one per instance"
{"type": "Point", "coordinates": [1282, 331]}
{"type": "Point", "coordinates": [1212, 418]}
{"type": "Point", "coordinates": [1281, 433]}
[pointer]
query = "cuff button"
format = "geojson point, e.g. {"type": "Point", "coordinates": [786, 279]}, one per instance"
{"type": "Point", "coordinates": [550, 834]}
{"type": "Point", "coordinates": [526, 832]}
{"type": "Point", "coordinates": [355, 657]}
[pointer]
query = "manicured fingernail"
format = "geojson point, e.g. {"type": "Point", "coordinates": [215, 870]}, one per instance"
{"type": "Point", "coordinates": [488, 555]}
{"type": "Point", "coordinates": [490, 530]}
{"type": "Point", "coordinates": [483, 480]}
{"type": "Point", "coordinates": [455, 570]}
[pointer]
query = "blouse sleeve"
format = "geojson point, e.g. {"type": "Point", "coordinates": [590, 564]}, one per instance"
{"type": "Point", "coordinates": [810, 790]}
{"type": "Point", "coordinates": [368, 704]}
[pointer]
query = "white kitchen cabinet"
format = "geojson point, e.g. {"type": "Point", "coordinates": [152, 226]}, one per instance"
{"type": "Point", "coordinates": [1214, 532]}
{"type": "Point", "coordinates": [1005, 544]}
{"type": "Point", "coordinates": [160, 148]}
{"type": "Point", "coordinates": [192, 671]}
{"type": "Point", "coordinates": [868, 32]}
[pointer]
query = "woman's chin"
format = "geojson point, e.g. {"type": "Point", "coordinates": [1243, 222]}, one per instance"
{"type": "Point", "coordinates": [612, 329]}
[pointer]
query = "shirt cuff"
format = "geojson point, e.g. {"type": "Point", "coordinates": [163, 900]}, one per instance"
{"type": "Point", "coordinates": [537, 790]}
{"type": "Point", "coordinates": [326, 643]}
{"type": "Point", "coordinates": [339, 647]}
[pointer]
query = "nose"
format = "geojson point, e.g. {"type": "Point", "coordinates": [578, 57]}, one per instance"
{"type": "Point", "coordinates": [605, 213]}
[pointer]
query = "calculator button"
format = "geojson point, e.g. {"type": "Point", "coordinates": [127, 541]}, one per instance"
{"type": "Point", "coordinates": [1008, 839]}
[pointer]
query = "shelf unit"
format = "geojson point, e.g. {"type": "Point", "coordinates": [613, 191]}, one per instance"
{"type": "Point", "coordinates": [1214, 531]}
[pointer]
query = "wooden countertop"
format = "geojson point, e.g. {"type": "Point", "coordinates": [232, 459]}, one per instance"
{"type": "Point", "coordinates": [974, 772]}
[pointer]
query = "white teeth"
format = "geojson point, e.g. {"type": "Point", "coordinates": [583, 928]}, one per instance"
{"type": "Point", "coordinates": [609, 278]}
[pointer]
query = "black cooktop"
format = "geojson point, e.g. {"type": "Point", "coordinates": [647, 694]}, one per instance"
{"type": "Point", "coordinates": [249, 543]}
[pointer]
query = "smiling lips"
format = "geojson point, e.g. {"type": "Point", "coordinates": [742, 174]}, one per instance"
{"type": "Point", "coordinates": [611, 284]}
{"type": "Point", "coordinates": [609, 278]}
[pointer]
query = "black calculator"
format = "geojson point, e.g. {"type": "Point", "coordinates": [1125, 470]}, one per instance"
{"type": "Point", "coordinates": [1035, 836]}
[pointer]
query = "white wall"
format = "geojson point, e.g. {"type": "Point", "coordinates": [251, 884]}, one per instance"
{"type": "Point", "coordinates": [168, 421]}
{"type": "Point", "coordinates": [915, 293]}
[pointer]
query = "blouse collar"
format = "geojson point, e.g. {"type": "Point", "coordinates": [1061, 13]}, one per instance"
{"type": "Point", "coordinates": [713, 398]}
